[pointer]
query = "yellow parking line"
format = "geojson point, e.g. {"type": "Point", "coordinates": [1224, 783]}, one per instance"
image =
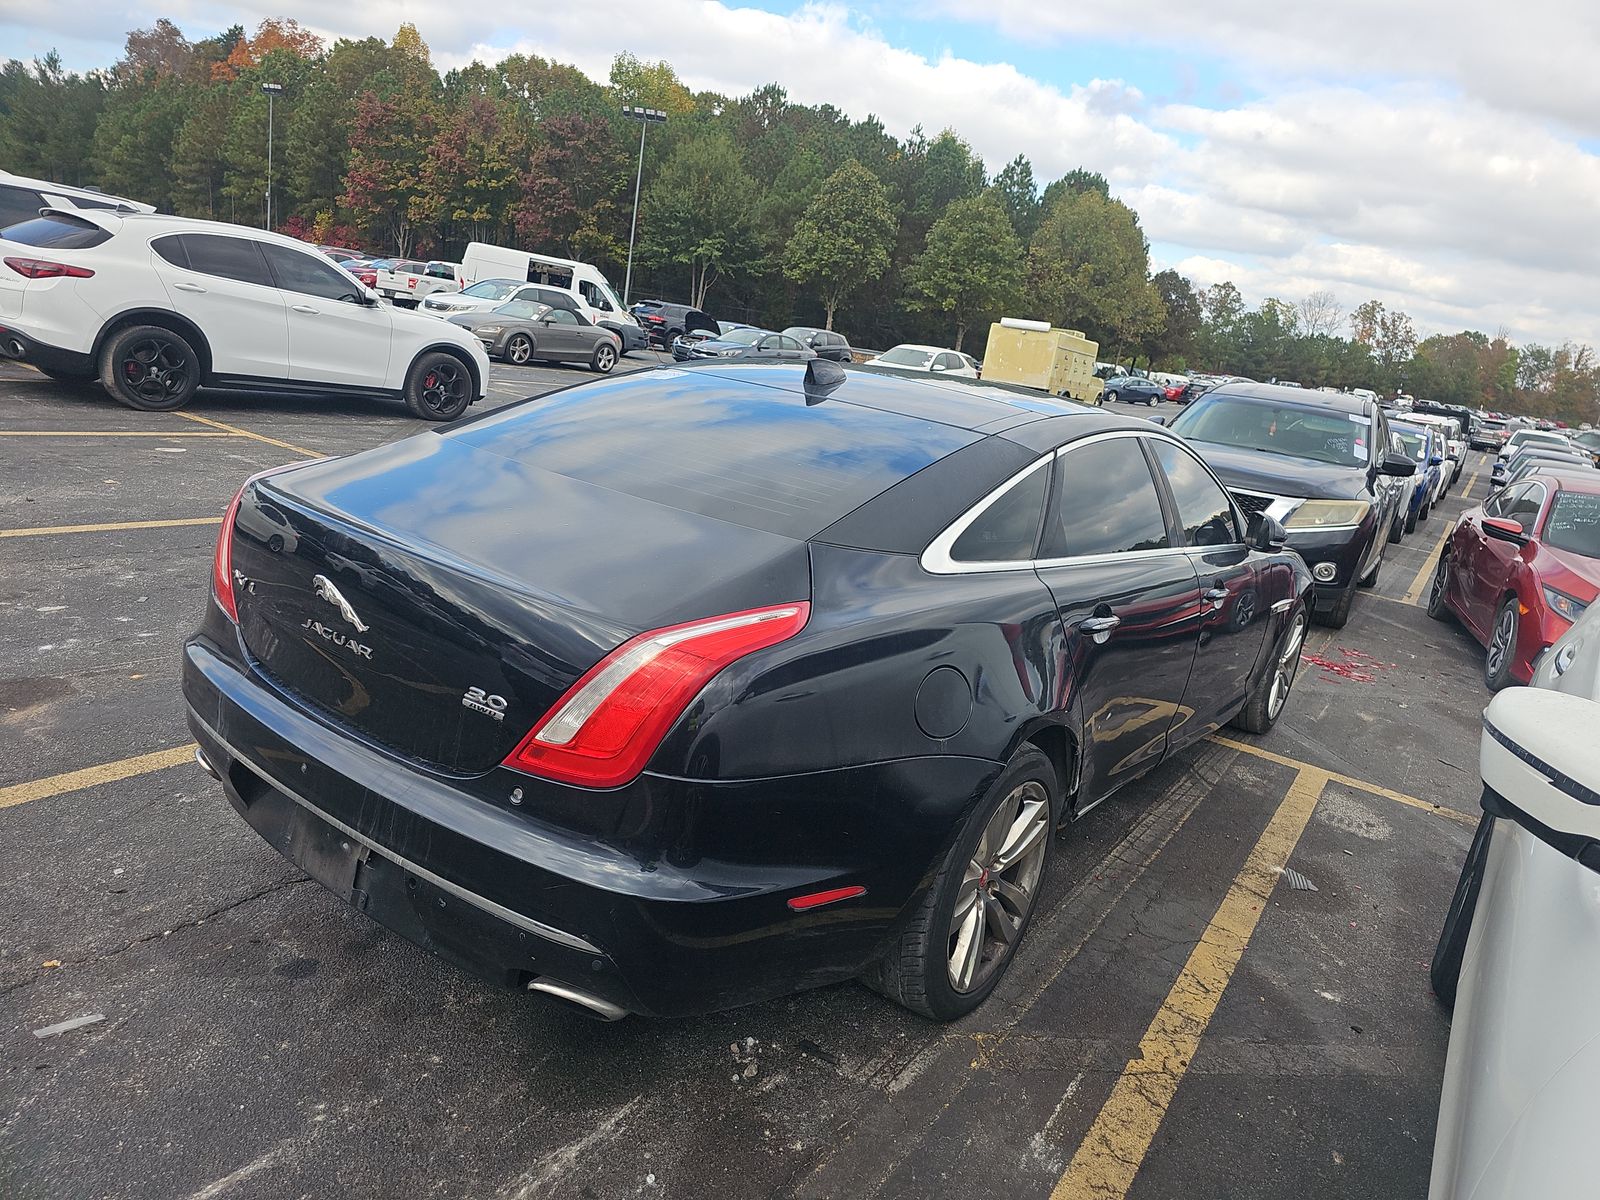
{"type": "Point", "coordinates": [112, 433]}
{"type": "Point", "coordinates": [108, 526]}
{"type": "Point", "coordinates": [1114, 1149]}
{"type": "Point", "coordinates": [1425, 572]}
{"type": "Point", "coordinates": [1350, 781]}
{"type": "Point", "coordinates": [260, 437]}
{"type": "Point", "coordinates": [88, 777]}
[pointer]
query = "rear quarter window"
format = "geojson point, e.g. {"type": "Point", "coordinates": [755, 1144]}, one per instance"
{"type": "Point", "coordinates": [56, 231]}
{"type": "Point", "coordinates": [751, 455]}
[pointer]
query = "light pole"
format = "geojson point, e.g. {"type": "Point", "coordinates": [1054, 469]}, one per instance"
{"type": "Point", "coordinates": [273, 90]}
{"type": "Point", "coordinates": [646, 118]}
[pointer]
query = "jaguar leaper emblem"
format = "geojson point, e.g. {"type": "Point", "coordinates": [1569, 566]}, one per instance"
{"type": "Point", "coordinates": [325, 590]}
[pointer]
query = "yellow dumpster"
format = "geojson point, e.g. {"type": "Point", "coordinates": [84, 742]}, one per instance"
{"type": "Point", "coordinates": [1035, 355]}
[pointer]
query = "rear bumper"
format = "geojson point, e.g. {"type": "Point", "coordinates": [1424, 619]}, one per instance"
{"type": "Point", "coordinates": [42, 354]}
{"type": "Point", "coordinates": [651, 923]}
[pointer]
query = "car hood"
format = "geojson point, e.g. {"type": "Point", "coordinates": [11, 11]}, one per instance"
{"type": "Point", "coordinates": [471, 320]}
{"type": "Point", "coordinates": [1283, 474]}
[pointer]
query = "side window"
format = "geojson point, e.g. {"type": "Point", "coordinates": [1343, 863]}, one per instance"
{"type": "Point", "coordinates": [1105, 502]}
{"type": "Point", "coordinates": [1524, 510]}
{"type": "Point", "coordinates": [788, 343]}
{"type": "Point", "coordinates": [946, 362]}
{"type": "Point", "coordinates": [440, 271]}
{"type": "Point", "coordinates": [226, 257]}
{"type": "Point", "coordinates": [1008, 530]}
{"type": "Point", "coordinates": [560, 316]}
{"type": "Point", "coordinates": [18, 204]}
{"type": "Point", "coordinates": [1496, 505]}
{"type": "Point", "coordinates": [302, 273]}
{"type": "Point", "coordinates": [1204, 510]}
{"type": "Point", "coordinates": [593, 296]}
{"type": "Point", "coordinates": [771, 342]}
{"type": "Point", "coordinates": [530, 293]}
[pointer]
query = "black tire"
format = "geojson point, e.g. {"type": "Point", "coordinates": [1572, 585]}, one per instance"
{"type": "Point", "coordinates": [438, 387]}
{"type": "Point", "coordinates": [1444, 973]}
{"type": "Point", "coordinates": [149, 368]}
{"type": "Point", "coordinates": [1411, 520]}
{"type": "Point", "coordinates": [1397, 529]}
{"type": "Point", "coordinates": [1440, 584]}
{"type": "Point", "coordinates": [605, 357]}
{"type": "Point", "coordinates": [916, 970]}
{"type": "Point", "coordinates": [1110, 397]}
{"type": "Point", "coordinates": [1497, 667]}
{"type": "Point", "coordinates": [1427, 509]}
{"type": "Point", "coordinates": [519, 349]}
{"type": "Point", "coordinates": [1338, 616]}
{"type": "Point", "coordinates": [1261, 711]}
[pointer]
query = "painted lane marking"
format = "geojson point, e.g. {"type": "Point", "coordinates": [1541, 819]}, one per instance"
{"type": "Point", "coordinates": [1111, 1153]}
{"type": "Point", "coordinates": [88, 777]}
{"type": "Point", "coordinates": [114, 433]}
{"type": "Point", "coordinates": [108, 526]}
{"type": "Point", "coordinates": [260, 437]}
{"type": "Point", "coordinates": [1425, 572]}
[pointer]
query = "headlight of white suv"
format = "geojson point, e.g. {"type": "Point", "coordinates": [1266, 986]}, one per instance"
{"type": "Point", "coordinates": [1327, 514]}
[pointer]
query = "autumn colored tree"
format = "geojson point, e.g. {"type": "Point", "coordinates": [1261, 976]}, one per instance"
{"type": "Point", "coordinates": [570, 189]}
{"type": "Point", "coordinates": [383, 187]}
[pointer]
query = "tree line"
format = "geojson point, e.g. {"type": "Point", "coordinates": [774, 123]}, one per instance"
{"type": "Point", "coordinates": [753, 207]}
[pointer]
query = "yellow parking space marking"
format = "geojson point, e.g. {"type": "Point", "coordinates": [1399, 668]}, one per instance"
{"type": "Point", "coordinates": [112, 433]}
{"type": "Point", "coordinates": [1114, 1149]}
{"type": "Point", "coordinates": [1425, 572]}
{"type": "Point", "coordinates": [1350, 781]}
{"type": "Point", "coordinates": [259, 437]}
{"type": "Point", "coordinates": [88, 777]}
{"type": "Point", "coordinates": [108, 526]}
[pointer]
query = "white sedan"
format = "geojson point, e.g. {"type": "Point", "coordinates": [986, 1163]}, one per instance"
{"type": "Point", "coordinates": [1519, 957]}
{"type": "Point", "coordinates": [935, 359]}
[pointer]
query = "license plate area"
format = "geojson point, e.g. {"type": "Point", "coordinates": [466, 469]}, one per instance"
{"type": "Point", "coordinates": [323, 852]}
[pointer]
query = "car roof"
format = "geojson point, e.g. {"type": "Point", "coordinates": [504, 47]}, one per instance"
{"type": "Point", "coordinates": [1300, 397]}
{"type": "Point", "coordinates": [69, 192]}
{"type": "Point", "coordinates": [920, 346]}
{"type": "Point", "coordinates": [1587, 483]}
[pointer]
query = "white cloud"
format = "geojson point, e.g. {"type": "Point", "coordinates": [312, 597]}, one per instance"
{"type": "Point", "coordinates": [1427, 155]}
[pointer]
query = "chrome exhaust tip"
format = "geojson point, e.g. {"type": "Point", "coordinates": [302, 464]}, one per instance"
{"type": "Point", "coordinates": [590, 1006]}
{"type": "Point", "coordinates": [12, 348]}
{"type": "Point", "coordinates": [205, 764]}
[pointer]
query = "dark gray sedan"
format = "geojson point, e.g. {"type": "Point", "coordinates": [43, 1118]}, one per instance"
{"type": "Point", "coordinates": [745, 342]}
{"type": "Point", "coordinates": [522, 331]}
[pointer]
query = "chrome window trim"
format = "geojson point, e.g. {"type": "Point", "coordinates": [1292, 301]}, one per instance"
{"type": "Point", "coordinates": [936, 558]}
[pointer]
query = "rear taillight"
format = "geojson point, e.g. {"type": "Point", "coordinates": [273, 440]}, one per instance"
{"type": "Point", "coordinates": [222, 559]}
{"type": "Point", "coordinates": [608, 724]}
{"type": "Point", "coordinates": [43, 268]}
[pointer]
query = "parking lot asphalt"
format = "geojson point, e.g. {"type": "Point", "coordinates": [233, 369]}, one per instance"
{"type": "Point", "coordinates": [1180, 1021]}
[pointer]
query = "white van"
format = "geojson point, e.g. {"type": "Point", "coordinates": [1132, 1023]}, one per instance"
{"type": "Point", "coordinates": [588, 286]}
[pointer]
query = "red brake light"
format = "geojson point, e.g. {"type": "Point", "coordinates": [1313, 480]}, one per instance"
{"type": "Point", "coordinates": [608, 724]}
{"type": "Point", "coordinates": [41, 268]}
{"type": "Point", "coordinates": [222, 558]}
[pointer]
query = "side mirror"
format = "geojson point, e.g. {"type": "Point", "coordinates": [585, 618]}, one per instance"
{"type": "Point", "coordinates": [1266, 533]}
{"type": "Point", "coordinates": [1156, 420]}
{"type": "Point", "coordinates": [1541, 768]}
{"type": "Point", "coordinates": [936, 367]}
{"type": "Point", "coordinates": [370, 297]}
{"type": "Point", "coordinates": [1399, 465]}
{"type": "Point", "coordinates": [1436, 460]}
{"type": "Point", "coordinates": [1505, 530]}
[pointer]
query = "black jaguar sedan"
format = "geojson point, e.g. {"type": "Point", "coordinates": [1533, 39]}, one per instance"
{"type": "Point", "coordinates": [1323, 463]}
{"type": "Point", "coordinates": [672, 692]}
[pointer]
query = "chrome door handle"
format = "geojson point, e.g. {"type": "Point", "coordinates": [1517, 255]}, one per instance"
{"type": "Point", "coordinates": [1099, 624]}
{"type": "Point", "coordinates": [189, 287]}
{"type": "Point", "coordinates": [1217, 595]}
{"type": "Point", "coordinates": [305, 308]}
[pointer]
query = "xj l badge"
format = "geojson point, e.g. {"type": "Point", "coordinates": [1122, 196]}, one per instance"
{"type": "Point", "coordinates": [326, 590]}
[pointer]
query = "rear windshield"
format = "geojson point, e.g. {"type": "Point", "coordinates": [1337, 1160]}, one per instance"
{"type": "Point", "coordinates": [751, 455]}
{"type": "Point", "coordinates": [1320, 434]}
{"type": "Point", "coordinates": [1574, 524]}
{"type": "Point", "coordinates": [491, 289]}
{"type": "Point", "coordinates": [56, 231]}
{"type": "Point", "coordinates": [904, 356]}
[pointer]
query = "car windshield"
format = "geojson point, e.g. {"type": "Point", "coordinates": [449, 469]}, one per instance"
{"type": "Point", "coordinates": [1574, 523]}
{"type": "Point", "coordinates": [490, 289]}
{"type": "Point", "coordinates": [743, 337]}
{"type": "Point", "coordinates": [905, 356]}
{"type": "Point", "coordinates": [1523, 438]}
{"type": "Point", "coordinates": [526, 310]}
{"type": "Point", "coordinates": [1415, 443]}
{"type": "Point", "coordinates": [382, 264]}
{"type": "Point", "coordinates": [1322, 435]}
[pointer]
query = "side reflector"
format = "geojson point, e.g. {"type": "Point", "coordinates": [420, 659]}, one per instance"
{"type": "Point", "coordinates": [609, 723]}
{"type": "Point", "coordinates": [818, 899]}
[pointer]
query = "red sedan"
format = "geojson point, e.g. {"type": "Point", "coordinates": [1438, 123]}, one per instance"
{"type": "Point", "coordinates": [1520, 568]}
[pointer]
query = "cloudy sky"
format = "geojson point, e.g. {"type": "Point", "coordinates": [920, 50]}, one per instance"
{"type": "Point", "coordinates": [1440, 155]}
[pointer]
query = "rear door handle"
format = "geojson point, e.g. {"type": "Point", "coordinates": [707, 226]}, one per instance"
{"type": "Point", "coordinates": [1099, 624]}
{"type": "Point", "coordinates": [305, 308]}
{"type": "Point", "coordinates": [188, 287]}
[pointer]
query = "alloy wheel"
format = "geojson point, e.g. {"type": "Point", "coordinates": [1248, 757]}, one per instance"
{"type": "Point", "coordinates": [1503, 641]}
{"type": "Point", "coordinates": [443, 386]}
{"type": "Point", "coordinates": [155, 368]}
{"type": "Point", "coordinates": [1284, 670]}
{"type": "Point", "coordinates": [999, 887]}
{"type": "Point", "coordinates": [520, 350]}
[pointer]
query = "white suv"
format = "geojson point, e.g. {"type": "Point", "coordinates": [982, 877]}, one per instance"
{"type": "Point", "coordinates": [157, 306]}
{"type": "Point", "coordinates": [21, 198]}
